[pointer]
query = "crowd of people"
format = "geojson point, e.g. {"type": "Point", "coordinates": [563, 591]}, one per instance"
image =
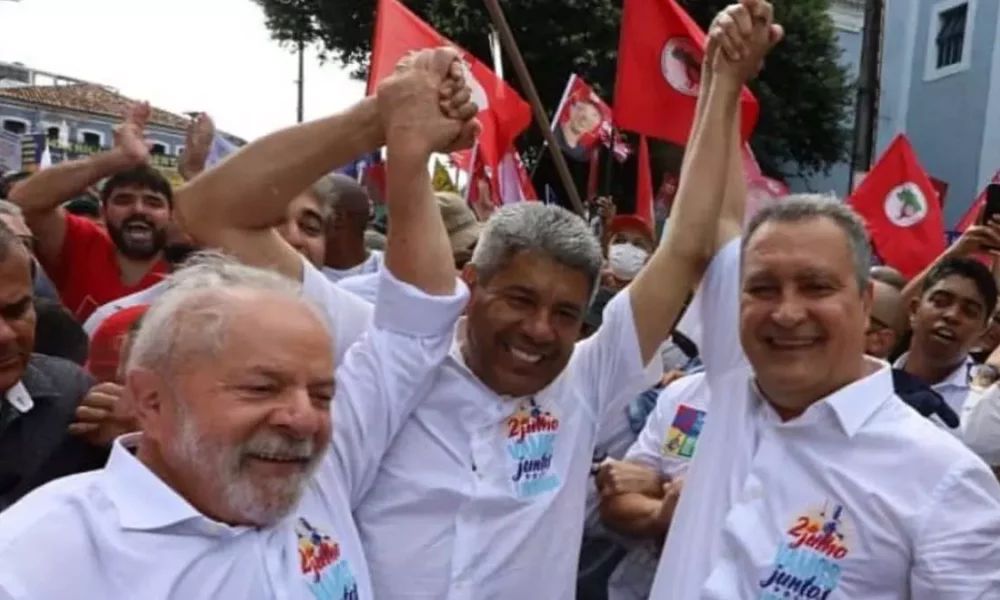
{"type": "Point", "coordinates": [238, 389]}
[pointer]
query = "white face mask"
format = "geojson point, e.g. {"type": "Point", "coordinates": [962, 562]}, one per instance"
{"type": "Point", "coordinates": [626, 260]}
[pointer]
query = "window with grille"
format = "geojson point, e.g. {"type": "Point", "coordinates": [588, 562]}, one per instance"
{"type": "Point", "coordinates": [52, 133]}
{"type": "Point", "coordinates": [15, 126]}
{"type": "Point", "coordinates": [89, 138]}
{"type": "Point", "coordinates": [951, 35]}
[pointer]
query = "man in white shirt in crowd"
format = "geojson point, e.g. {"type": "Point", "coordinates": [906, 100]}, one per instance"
{"type": "Point", "coordinates": [799, 487]}
{"type": "Point", "coordinates": [664, 448]}
{"type": "Point", "coordinates": [956, 299]}
{"type": "Point", "coordinates": [351, 210]}
{"type": "Point", "coordinates": [229, 469]}
{"type": "Point", "coordinates": [482, 493]}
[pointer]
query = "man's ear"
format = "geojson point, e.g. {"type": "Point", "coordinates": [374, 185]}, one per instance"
{"type": "Point", "coordinates": [148, 393]}
{"type": "Point", "coordinates": [912, 310]}
{"type": "Point", "coordinates": [470, 276]}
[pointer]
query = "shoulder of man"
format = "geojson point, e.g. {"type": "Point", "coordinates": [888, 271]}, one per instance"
{"type": "Point", "coordinates": [56, 377]}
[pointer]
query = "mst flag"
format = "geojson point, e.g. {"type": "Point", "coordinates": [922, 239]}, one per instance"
{"type": "Point", "coordinates": [659, 72]}
{"type": "Point", "coordinates": [503, 113]}
{"type": "Point", "coordinates": [900, 206]}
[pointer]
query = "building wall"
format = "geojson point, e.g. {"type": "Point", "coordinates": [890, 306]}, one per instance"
{"type": "Point", "coordinates": [946, 115]}
{"type": "Point", "coordinates": [41, 118]}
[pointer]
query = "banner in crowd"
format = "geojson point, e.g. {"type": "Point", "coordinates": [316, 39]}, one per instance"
{"type": "Point", "coordinates": [899, 204]}
{"type": "Point", "coordinates": [503, 113]}
{"type": "Point", "coordinates": [10, 152]}
{"type": "Point", "coordinates": [972, 215]}
{"type": "Point", "coordinates": [583, 120]}
{"type": "Point", "coordinates": [35, 148]}
{"type": "Point", "coordinates": [659, 73]}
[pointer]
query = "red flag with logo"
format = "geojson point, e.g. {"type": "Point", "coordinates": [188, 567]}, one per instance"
{"type": "Point", "coordinates": [659, 72]}
{"type": "Point", "coordinates": [503, 112]}
{"type": "Point", "coordinates": [899, 204]}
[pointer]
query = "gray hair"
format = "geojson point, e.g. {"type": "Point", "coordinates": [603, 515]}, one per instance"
{"type": "Point", "coordinates": [189, 318]}
{"type": "Point", "coordinates": [806, 207]}
{"type": "Point", "coordinates": [9, 208]}
{"type": "Point", "coordinates": [554, 231]}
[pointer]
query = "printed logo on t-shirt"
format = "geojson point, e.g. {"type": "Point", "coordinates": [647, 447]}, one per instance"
{"type": "Point", "coordinates": [531, 441]}
{"type": "Point", "coordinates": [808, 562]}
{"type": "Point", "coordinates": [328, 574]}
{"type": "Point", "coordinates": [682, 437]}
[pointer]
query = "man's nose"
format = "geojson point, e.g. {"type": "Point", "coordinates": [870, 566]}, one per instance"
{"type": "Point", "coordinates": [790, 311]}
{"type": "Point", "coordinates": [298, 414]}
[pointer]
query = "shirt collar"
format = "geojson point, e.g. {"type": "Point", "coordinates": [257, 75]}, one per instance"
{"type": "Point", "coordinates": [959, 378]}
{"type": "Point", "coordinates": [852, 405]}
{"type": "Point", "coordinates": [143, 500]}
{"type": "Point", "coordinates": [19, 398]}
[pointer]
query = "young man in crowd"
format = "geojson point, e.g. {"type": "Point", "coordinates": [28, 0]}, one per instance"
{"type": "Point", "coordinates": [956, 301]}
{"type": "Point", "coordinates": [91, 266]}
{"type": "Point", "coordinates": [230, 467]}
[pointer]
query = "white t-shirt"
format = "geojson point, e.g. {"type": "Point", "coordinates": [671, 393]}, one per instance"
{"type": "Point", "coordinates": [481, 497]}
{"type": "Point", "coordinates": [860, 497]}
{"type": "Point", "coordinates": [981, 423]}
{"type": "Point", "coordinates": [372, 264]}
{"type": "Point", "coordinates": [667, 444]}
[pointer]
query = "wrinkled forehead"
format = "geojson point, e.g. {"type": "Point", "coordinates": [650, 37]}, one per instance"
{"type": "Point", "coordinates": [800, 249]}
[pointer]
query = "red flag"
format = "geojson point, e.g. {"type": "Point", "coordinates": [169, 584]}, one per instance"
{"type": "Point", "coordinates": [644, 185]}
{"type": "Point", "coordinates": [972, 215]}
{"type": "Point", "coordinates": [900, 206]}
{"type": "Point", "coordinates": [503, 113]}
{"type": "Point", "coordinates": [659, 72]}
{"type": "Point", "coordinates": [583, 120]}
{"type": "Point", "coordinates": [514, 182]}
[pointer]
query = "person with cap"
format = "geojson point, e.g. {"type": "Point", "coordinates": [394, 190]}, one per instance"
{"type": "Point", "coordinates": [630, 244]}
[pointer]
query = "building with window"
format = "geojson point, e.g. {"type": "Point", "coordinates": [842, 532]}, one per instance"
{"type": "Point", "coordinates": [78, 117]}
{"type": "Point", "coordinates": [941, 87]}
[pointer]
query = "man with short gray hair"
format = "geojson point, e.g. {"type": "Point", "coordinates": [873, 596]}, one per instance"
{"type": "Point", "coordinates": [799, 487]}
{"type": "Point", "coordinates": [12, 216]}
{"type": "Point", "coordinates": [231, 376]}
{"type": "Point", "coordinates": [482, 493]}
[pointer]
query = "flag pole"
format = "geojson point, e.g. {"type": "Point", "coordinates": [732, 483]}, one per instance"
{"type": "Point", "coordinates": [521, 70]}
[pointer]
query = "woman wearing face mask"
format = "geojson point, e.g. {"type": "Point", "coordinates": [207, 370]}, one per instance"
{"type": "Point", "coordinates": [630, 246]}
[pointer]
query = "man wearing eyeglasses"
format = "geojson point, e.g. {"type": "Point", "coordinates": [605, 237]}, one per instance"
{"type": "Point", "coordinates": [885, 325]}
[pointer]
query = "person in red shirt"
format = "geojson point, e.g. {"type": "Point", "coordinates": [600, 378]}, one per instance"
{"type": "Point", "coordinates": [89, 265]}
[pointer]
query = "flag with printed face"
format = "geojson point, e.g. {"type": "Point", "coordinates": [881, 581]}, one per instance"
{"type": "Point", "coordinates": [899, 204]}
{"type": "Point", "coordinates": [659, 72]}
{"type": "Point", "coordinates": [503, 113]}
{"type": "Point", "coordinates": [583, 121]}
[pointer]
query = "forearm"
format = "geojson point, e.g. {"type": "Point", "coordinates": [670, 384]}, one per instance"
{"type": "Point", "coordinates": [417, 248]}
{"type": "Point", "coordinates": [46, 190]}
{"type": "Point", "coordinates": [689, 243]}
{"type": "Point", "coordinates": [634, 515]}
{"type": "Point", "coordinates": [734, 199]}
{"type": "Point", "coordinates": [251, 190]}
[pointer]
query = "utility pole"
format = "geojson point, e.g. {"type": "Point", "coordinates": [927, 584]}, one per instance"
{"type": "Point", "coordinates": [302, 79]}
{"type": "Point", "coordinates": [869, 77]}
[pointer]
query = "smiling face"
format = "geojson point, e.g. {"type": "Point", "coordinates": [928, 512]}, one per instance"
{"type": "Point", "coordinates": [523, 322]}
{"type": "Point", "coordinates": [802, 316]}
{"type": "Point", "coordinates": [239, 431]}
{"type": "Point", "coordinates": [947, 320]}
{"type": "Point", "coordinates": [137, 218]}
{"type": "Point", "coordinates": [17, 315]}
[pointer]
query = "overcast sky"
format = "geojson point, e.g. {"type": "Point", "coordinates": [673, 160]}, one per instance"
{"type": "Point", "coordinates": [181, 55]}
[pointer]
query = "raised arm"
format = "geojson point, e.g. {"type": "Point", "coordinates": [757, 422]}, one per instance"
{"type": "Point", "coordinates": [658, 293]}
{"type": "Point", "coordinates": [425, 108]}
{"type": "Point", "coordinates": [41, 196]}
{"type": "Point", "coordinates": [235, 205]}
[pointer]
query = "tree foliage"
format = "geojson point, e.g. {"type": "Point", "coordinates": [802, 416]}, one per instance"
{"type": "Point", "coordinates": [804, 93]}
